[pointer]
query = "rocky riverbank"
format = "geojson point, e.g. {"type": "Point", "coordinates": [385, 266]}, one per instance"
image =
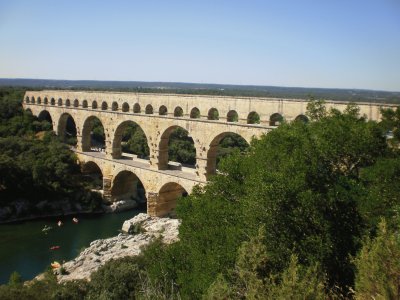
{"type": "Point", "coordinates": [137, 233]}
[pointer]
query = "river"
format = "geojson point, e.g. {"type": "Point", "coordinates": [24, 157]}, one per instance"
{"type": "Point", "coordinates": [25, 248]}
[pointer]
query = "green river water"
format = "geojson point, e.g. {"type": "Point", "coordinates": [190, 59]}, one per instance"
{"type": "Point", "coordinates": [25, 248]}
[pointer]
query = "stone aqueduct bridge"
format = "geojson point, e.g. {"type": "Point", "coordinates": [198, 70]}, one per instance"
{"type": "Point", "coordinates": [158, 115]}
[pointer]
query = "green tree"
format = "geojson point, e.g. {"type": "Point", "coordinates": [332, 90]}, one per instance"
{"type": "Point", "coordinates": [378, 266]}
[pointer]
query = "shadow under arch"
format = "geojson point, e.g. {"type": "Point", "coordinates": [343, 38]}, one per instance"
{"type": "Point", "coordinates": [44, 115]}
{"type": "Point", "coordinates": [301, 118]}
{"type": "Point", "coordinates": [134, 136]}
{"type": "Point", "coordinates": [168, 197]}
{"type": "Point", "coordinates": [66, 129]}
{"type": "Point", "coordinates": [275, 119]}
{"type": "Point", "coordinates": [127, 186]}
{"type": "Point", "coordinates": [184, 150]}
{"type": "Point", "coordinates": [93, 138]}
{"type": "Point", "coordinates": [92, 175]}
{"type": "Point", "coordinates": [222, 145]}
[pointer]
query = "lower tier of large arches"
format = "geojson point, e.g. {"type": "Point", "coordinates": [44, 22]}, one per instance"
{"type": "Point", "coordinates": [160, 190]}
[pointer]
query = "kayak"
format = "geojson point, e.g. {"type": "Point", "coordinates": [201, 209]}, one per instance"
{"type": "Point", "coordinates": [54, 247]}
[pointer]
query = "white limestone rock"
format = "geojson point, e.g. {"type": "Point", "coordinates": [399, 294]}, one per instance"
{"type": "Point", "coordinates": [101, 251]}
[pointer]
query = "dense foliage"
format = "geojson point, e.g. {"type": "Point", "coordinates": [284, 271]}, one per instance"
{"type": "Point", "coordinates": [34, 165]}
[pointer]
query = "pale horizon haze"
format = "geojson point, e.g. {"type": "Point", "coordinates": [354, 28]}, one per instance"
{"type": "Point", "coordinates": [323, 44]}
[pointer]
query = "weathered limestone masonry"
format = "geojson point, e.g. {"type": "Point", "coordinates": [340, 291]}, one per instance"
{"type": "Point", "coordinates": [158, 115]}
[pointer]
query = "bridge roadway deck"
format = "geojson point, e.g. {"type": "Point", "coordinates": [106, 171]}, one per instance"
{"type": "Point", "coordinates": [143, 164]}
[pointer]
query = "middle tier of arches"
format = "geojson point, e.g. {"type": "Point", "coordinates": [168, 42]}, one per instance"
{"type": "Point", "coordinates": [156, 131]}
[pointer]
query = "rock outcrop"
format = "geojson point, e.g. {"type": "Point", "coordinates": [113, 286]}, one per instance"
{"type": "Point", "coordinates": [137, 233]}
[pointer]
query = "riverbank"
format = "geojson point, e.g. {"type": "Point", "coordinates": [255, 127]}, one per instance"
{"type": "Point", "coordinates": [21, 210]}
{"type": "Point", "coordinates": [137, 233]}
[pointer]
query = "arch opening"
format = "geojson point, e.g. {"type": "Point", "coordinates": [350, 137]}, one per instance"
{"type": "Point", "coordinates": [195, 113]}
{"type": "Point", "coordinates": [178, 112]}
{"type": "Point", "coordinates": [33, 100]}
{"type": "Point", "coordinates": [92, 175]}
{"type": "Point", "coordinates": [176, 149]}
{"type": "Point", "coordinates": [46, 100]}
{"type": "Point", "coordinates": [301, 118]}
{"type": "Point", "coordinates": [114, 106]}
{"type": "Point", "coordinates": [26, 99]}
{"type": "Point", "coordinates": [213, 114]}
{"type": "Point", "coordinates": [93, 137]}
{"type": "Point", "coordinates": [67, 102]}
{"type": "Point", "coordinates": [76, 103]}
{"type": "Point", "coordinates": [253, 118]}
{"type": "Point", "coordinates": [84, 104]}
{"type": "Point", "coordinates": [163, 111]}
{"type": "Point", "coordinates": [59, 102]}
{"type": "Point", "coordinates": [53, 101]}
{"type": "Point", "coordinates": [127, 186]}
{"type": "Point", "coordinates": [232, 116]}
{"type": "Point", "coordinates": [104, 105]}
{"type": "Point", "coordinates": [130, 141]}
{"type": "Point", "coordinates": [67, 129]}
{"type": "Point", "coordinates": [136, 108]}
{"type": "Point", "coordinates": [149, 109]}
{"type": "Point", "coordinates": [94, 105]}
{"type": "Point", "coordinates": [45, 118]}
{"type": "Point", "coordinates": [168, 197]}
{"type": "Point", "coordinates": [222, 146]}
{"type": "Point", "coordinates": [275, 119]}
{"type": "Point", "coordinates": [125, 107]}
{"type": "Point", "coordinates": [39, 100]}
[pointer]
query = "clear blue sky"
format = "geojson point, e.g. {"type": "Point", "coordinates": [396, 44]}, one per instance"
{"type": "Point", "coordinates": [318, 43]}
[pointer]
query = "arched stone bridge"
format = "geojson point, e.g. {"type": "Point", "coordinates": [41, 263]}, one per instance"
{"type": "Point", "coordinates": [208, 119]}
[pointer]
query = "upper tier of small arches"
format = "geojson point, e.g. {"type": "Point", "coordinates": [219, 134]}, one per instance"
{"type": "Point", "coordinates": [212, 113]}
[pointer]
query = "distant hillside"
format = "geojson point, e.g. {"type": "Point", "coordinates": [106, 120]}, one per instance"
{"type": "Point", "coordinates": [209, 89]}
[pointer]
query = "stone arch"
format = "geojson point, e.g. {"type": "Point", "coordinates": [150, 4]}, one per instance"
{"type": "Point", "coordinates": [33, 100]}
{"type": "Point", "coordinates": [94, 104]}
{"type": "Point", "coordinates": [275, 119]}
{"type": "Point", "coordinates": [125, 107]}
{"type": "Point", "coordinates": [87, 128]}
{"type": "Point", "coordinates": [44, 115]}
{"type": "Point", "coordinates": [163, 147]}
{"type": "Point", "coordinates": [163, 111]}
{"type": "Point", "coordinates": [84, 104]}
{"type": "Point", "coordinates": [67, 102]}
{"type": "Point", "coordinates": [213, 151]}
{"type": "Point", "coordinates": [114, 106]}
{"type": "Point", "coordinates": [136, 108]}
{"type": "Point", "coordinates": [93, 173]}
{"type": "Point", "coordinates": [253, 118]}
{"type": "Point", "coordinates": [213, 114]}
{"type": "Point", "coordinates": [26, 99]}
{"type": "Point", "coordinates": [167, 198]}
{"type": "Point", "coordinates": [195, 113]}
{"type": "Point", "coordinates": [149, 109]}
{"type": "Point", "coordinates": [59, 102]}
{"type": "Point", "coordinates": [104, 105]}
{"type": "Point", "coordinates": [53, 101]}
{"type": "Point", "coordinates": [118, 135]}
{"type": "Point", "coordinates": [178, 112]}
{"type": "Point", "coordinates": [46, 100]}
{"type": "Point", "coordinates": [76, 103]}
{"type": "Point", "coordinates": [39, 100]}
{"type": "Point", "coordinates": [67, 129]}
{"type": "Point", "coordinates": [301, 118]}
{"type": "Point", "coordinates": [232, 116]}
{"type": "Point", "coordinates": [128, 186]}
